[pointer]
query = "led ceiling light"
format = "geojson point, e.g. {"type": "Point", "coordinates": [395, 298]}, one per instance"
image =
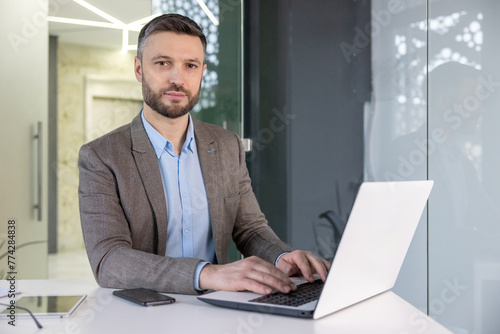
{"type": "Point", "coordinates": [207, 11]}
{"type": "Point", "coordinates": [99, 12]}
{"type": "Point", "coordinates": [125, 41]}
{"type": "Point", "coordinates": [117, 24]}
{"type": "Point", "coordinates": [83, 22]}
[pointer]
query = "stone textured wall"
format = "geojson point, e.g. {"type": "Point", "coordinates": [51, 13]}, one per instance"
{"type": "Point", "coordinates": [75, 62]}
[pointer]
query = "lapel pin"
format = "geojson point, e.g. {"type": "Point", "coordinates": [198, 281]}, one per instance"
{"type": "Point", "coordinates": [211, 150]}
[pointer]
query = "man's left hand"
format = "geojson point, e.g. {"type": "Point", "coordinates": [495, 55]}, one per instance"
{"type": "Point", "coordinates": [305, 263]}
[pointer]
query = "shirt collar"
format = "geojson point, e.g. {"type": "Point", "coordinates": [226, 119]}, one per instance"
{"type": "Point", "coordinates": [190, 143]}
{"type": "Point", "coordinates": [160, 143]}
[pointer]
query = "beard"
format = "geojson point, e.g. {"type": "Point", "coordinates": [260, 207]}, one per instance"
{"type": "Point", "coordinates": [153, 100]}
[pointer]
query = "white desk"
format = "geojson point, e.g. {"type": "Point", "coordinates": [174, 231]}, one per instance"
{"type": "Point", "coordinates": [104, 313]}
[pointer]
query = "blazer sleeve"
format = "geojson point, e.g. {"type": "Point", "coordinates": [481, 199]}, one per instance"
{"type": "Point", "coordinates": [122, 248]}
{"type": "Point", "coordinates": [252, 233]}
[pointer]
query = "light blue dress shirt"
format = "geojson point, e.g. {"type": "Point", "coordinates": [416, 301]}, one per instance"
{"type": "Point", "coordinates": [189, 231]}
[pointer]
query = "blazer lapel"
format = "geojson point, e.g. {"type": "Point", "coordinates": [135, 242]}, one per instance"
{"type": "Point", "coordinates": [208, 153]}
{"type": "Point", "coordinates": [147, 164]}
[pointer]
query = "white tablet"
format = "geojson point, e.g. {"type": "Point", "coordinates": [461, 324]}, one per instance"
{"type": "Point", "coordinates": [44, 306]}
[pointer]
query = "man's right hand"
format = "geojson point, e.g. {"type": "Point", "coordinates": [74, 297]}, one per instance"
{"type": "Point", "coordinates": [250, 274]}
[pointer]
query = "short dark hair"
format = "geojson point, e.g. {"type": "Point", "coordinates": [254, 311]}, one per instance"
{"type": "Point", "coordinates": [170, 22]}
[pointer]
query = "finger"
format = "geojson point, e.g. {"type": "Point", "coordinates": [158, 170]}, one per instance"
{"type": "Point", "coordinates": [271, 281]}
{"type": "Point", "coordinates": [264, 272]}
{"type": "Point", "coordinates": [318, 266]}
{"type": "Point", "coordinates": [263, 266]}
{"type": "Point", "coordinates": [300, 260]}
{"type": "Point", "coordinates": [255, 286]}
{"type": "Point", "coordinates": [292, 269]}
{"type": "Point", "coordinates": [327, 264]}
{"type": "Point", "coordinates": [287, 267]}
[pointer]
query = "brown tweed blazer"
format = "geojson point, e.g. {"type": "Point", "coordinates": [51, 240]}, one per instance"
{"type": "Point", "coordinates": [124, 213]}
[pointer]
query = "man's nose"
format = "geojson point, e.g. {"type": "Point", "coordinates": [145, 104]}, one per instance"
{"type": "Point", "coordinates": [175, 76]}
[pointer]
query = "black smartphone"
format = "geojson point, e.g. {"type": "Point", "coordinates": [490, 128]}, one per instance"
{"type": "Point", "coordinates": [144, 297]}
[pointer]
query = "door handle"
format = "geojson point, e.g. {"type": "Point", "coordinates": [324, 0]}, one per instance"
{"type": "Point", "coordinates": [247, 144]}
{"type": "Point", "coordinates": [39, 166]}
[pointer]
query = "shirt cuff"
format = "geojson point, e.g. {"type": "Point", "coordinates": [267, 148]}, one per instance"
{"type": "Point", "coordinates": [197, 275]}
{"type": "Point", "coordinates": [278, 258]}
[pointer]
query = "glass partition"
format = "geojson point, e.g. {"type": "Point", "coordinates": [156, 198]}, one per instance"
{"type": "Point", "coordinates": [433, 116]}
{"type": "Point", "coordinates": [396, 122]}
{"type": "Point", "coordinates": [464, 216]}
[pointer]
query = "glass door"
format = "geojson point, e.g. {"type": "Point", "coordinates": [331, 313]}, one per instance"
{"type": "Point", "coordinates": [221, 98]}
{"type": "Point", "coordinates": [23, 144]}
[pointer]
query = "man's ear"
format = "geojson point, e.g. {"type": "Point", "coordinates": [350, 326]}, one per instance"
{"type": "Point", "coordinates": [138, 69]}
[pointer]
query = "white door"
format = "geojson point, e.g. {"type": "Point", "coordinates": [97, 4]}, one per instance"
{"type": "Point", "coordinates": [23, 172]}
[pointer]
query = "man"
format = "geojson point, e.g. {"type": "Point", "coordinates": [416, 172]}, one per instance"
{"type": "Point", "coordinates": [161, 197]}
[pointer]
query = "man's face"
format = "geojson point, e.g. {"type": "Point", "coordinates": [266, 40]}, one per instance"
{"type": "Point", "coordinates": [171, 71]}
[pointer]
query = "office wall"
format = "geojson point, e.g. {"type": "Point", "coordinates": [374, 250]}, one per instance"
{"type": "Point", "coordinates": [75, 64]}
{"type": "Point", "coordinates": [266, 81]}
{"type": "Point", "coordinates": [327, 92]}
{"type": "Point", "coordinates": [305, 104]}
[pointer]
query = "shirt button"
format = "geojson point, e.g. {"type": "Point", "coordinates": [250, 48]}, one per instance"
{"type": "Point", "coordinates": [186, 231]}
{"type": "Point", "coordinates": [183, 194]}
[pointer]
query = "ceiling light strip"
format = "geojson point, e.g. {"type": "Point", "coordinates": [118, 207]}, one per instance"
{"type": "Point", "coordinates": [125, 41]}
{"type": "Point", "coordinates": [117, 24]}
{"type": "Point", "coordinates": [83, 22]}
{"type": "Point", "coordinates": [99, 12]}
{"type": "Point", "coordinates": [208, 12]}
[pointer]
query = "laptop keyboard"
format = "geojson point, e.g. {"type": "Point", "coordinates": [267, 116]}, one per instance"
{"type": "Point", "coordinates": [304, 294]}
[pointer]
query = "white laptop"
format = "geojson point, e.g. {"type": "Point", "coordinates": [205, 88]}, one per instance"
{"type": "Point", "coordinates": [377, 236]}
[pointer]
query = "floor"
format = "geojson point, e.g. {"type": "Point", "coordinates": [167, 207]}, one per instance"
{"type": "Point", "coordinates": [70, 264]}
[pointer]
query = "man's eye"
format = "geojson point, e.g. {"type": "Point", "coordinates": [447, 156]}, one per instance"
{"type": "Point", "coordinates": [192, 66]}
{"type": "Point", "coordinates": [162, 63]}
